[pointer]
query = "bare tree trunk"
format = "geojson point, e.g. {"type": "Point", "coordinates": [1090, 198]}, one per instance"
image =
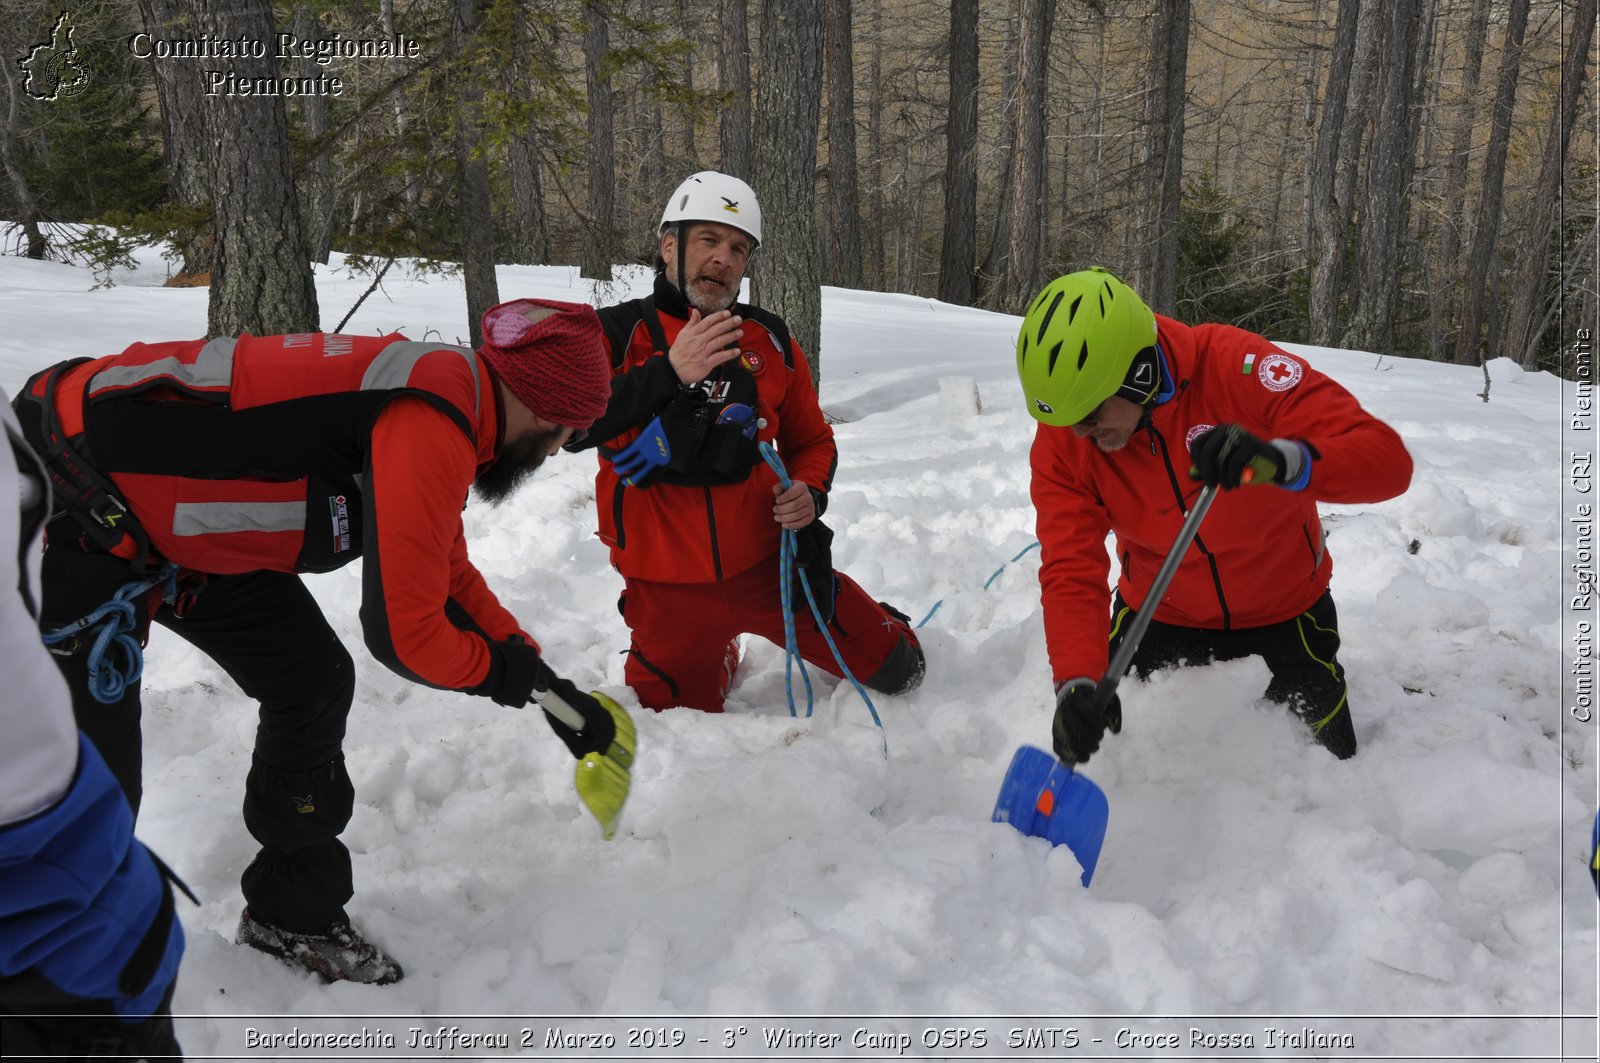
{"type": "Point", "coordinates": [183, 135]}
{"type": "Point", "coordinates": [474, 207]}
{"type": "Point", "coordinates": [321, 194]}
{"type": "Point", "coordinates": [1169, 57]}
{"type": "Point", "coordinates": [598, 239]}
{"type": "Point", "coordinates": [1475, 280]}
{"type": "Point", "coordinates": [737, 157]}
{"type": "Point", "coordinates": [788, 109]}
{"type": "Point", "coordinates": [413, 186]}
{"type": "Point", "coordinates": [1383, 220]}
{"type": "Point", "coordinates": [844, 198]}
{"type": "Point", "coordinates": [27, 205]}
{"type": "Point", "coordinates": [1024, 266]}
{"type": "Point", "coordinates": [261, 279]}
{"type": "Point", "coordinates": [959, 249]}
{"type": "Point", "coordinates": [690, 140]}
{"type": "Point", "coordinates": [874, 250]}
{"type": "Point", "coordinates": [992, 272]}
{"type": "Point", "coordinates": [528, 223]}
{"type": "Point", "coordinates": [1455, 180]}
{"type": "Point", "coordinates": [1531, 285]}
{"type": "Point", "coordinates": [1335, 233]}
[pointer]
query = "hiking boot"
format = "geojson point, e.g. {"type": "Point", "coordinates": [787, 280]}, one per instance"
{"type": "Point", "coordinates": [340, 954]}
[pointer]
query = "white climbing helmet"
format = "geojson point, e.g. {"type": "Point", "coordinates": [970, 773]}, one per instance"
{"type": "Point", "coordinates": [712, 196]}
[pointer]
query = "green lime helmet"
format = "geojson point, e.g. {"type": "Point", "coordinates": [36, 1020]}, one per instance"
{"type": "Point", "coordinates": [1079, 340]}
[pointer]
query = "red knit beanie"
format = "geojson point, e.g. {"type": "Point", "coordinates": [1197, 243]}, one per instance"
{"type": "Point", "coordinates": [551, 356]}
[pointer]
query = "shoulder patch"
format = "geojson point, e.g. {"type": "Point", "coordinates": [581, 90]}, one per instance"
{"type": "Point", "coordinates": [1279, 372]}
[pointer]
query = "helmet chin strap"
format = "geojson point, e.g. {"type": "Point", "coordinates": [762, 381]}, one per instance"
{"type": "Point", "coordinates": [683, 259]}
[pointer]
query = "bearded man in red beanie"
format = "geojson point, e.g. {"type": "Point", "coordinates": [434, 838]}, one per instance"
{"type": "Point", "coordinates": [232, 464]}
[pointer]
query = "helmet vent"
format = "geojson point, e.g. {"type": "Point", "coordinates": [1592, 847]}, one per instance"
{"type": "Point", "coordinates": [1083, 355]}
{"type": "Point", "coordinates": [1072, 311]}
{"type": "Point", "coordinates": [1048, 314]}
{"type": "Point", "coordinates": [1055, 352]}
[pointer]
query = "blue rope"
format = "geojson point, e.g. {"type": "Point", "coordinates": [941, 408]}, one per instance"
{"type": "Point", "coordinates": [791, 649]}
{"type": "Point", "coordinates": [116, 620]}
{"type": "Point", "coordinates": [1031, 546]}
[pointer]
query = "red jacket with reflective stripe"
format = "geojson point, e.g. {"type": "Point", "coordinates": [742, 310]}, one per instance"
{"type": "Point", "coordinates": [301, 453]}
{"type": "Point", "coordinates": [1259, 557]}
{"type": "Point", "coordinates": [679, 534]}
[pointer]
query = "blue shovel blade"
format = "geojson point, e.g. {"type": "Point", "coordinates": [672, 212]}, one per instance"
{"type": "Point", "coordinates": [1044, 798]}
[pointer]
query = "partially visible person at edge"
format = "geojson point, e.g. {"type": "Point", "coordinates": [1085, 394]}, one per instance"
{"type": "Point", "coordinates": [1136, 412]}
{"type": "Point", "coordinates": [89, 945]}
{"type": "Point", "coordinates": [245, 461]}
{"type": "Point", "coordinates": [691, 512]}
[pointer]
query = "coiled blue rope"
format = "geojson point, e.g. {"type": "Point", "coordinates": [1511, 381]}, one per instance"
{"type": "Point", "coordinates": [115, 657]}
{"type": "Point", "coordinates": [791, 648]}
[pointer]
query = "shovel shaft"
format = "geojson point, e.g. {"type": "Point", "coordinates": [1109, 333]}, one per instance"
{"type": "Point", "coordinates": [1158, 587]}
{"type": "Point", "coordinates": [556, 706]}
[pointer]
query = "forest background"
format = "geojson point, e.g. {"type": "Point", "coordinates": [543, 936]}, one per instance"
{"type": "Point", "coordinates": [1415, 177]}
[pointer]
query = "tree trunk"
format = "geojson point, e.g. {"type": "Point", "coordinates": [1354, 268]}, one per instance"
{"type": "Point", "coordinates": [734, 39]}
{"type": "Point", "coordinates": [261, 279]}
{"type": "Point", "coordinates": [413, 183]}
{"type": "Point", "coordinates": [1022, 278]}
{"type": "Point", "coordinates": [1475, 281]}
{"type": "Point", "coordinates": [1168, 85]}
{"type": "Point", "coordinates": [474, 207]}
{"type": "Point", "coordinates": [959, 249]}
{"type": "Point", "coordinates": [1336, 233]}
{"type": "Point", "coordinates": [874, 251]}
{"type": "Point", "coordinates": [183, 136]}
{"type": "Point", "coordinates": [1532, 283]}
{"type": "Point", "coordinates": [1383, 222]}
{"type": "Point", "coordinates": [320, 197]}
{"type": "Point", "coordinates": [529, 223]}
{"type": "Point", "coordinates": [598, 241]}
{"type": "Point", "coordinates": [1455, 179]}
{"type": "Point", "coordinates": [28, 215]}
{"type": "Point", "coordinates": [788, 109]}
{"type": "Point", "coordinates": [844, 198]}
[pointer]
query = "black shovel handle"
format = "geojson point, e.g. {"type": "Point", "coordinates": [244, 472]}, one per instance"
{"type": "Point", "coordinates": [1107, 686]}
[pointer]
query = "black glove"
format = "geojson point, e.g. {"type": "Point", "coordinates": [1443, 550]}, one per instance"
{"type": "Point", "coordinates": [515, 672]}
{"type": "Point", "coordinates": [1223, 455]}
{"type": "Point", "coordinates": [599, 728]}
{"type": "Point", "coordinates": [1078, 726]}
{"type": "Point", "coordinates": [813, 563]}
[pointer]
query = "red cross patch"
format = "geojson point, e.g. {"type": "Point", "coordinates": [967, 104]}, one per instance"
{"type": "Point", "coordinates": [1279, 372]}
{"type": "Point", "coordinates": [752, 361]}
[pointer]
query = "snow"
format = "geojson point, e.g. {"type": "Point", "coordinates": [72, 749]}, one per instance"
{"type": "Point", "coordinates": [769, 866]}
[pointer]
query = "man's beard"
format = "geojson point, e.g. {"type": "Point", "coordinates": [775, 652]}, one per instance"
{"type": "Point", "coordinates": [712, 301]}
{"type": "Point", "coordinates": [518, 460]}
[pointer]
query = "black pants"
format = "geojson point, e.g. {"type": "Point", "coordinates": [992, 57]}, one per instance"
{"type": "Point", "coordinates": [265, 630]}
{"type": "Point", "coordinates": [1301, 653]}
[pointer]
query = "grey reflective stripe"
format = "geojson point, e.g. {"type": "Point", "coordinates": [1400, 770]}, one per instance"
{"type": "Point", "coordinates": [203, 518]}
{"type": "Point", "coordinates": [393, 365]}
{"type": "Point", "coordinates": [211, 368]}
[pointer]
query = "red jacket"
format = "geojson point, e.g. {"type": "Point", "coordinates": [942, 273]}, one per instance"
{"type": "Point", "coordinates": [672, 533]}
{"type": "Point", "coordinates": [1259, 557]}
{"type": "Point", "coordinates": [301, 453]}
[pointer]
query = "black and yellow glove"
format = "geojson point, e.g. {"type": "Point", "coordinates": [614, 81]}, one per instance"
{"type": "Point", "coordinates": [600, 734]}
{"type": "Point", "coordinates": [1229, 456]}
{"type": "Point", "coordinates": [1079, 725]}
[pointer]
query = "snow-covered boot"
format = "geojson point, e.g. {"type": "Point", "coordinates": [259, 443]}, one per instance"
{"type": "Point", "coordinates": [340, 954]}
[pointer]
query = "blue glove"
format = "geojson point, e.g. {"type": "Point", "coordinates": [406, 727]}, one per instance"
{"type": "Point", "coordinates": [641, 461]}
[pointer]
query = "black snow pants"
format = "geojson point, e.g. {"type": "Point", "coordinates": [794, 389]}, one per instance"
{"type": "Point", "coordinates": [265, 630]}
{"type": "Point", "coordinates": [1301, 654]}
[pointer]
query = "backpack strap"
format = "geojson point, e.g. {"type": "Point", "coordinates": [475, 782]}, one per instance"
{"type": "Point", "coordinates": [80, 490]}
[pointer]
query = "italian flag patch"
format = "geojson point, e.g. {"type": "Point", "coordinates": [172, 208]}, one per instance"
{"type": "Point", "coordinates": [1249, 364]}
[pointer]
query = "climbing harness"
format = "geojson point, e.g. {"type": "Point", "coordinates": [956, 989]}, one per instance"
{"type": "Point", "coordinates": [115, 656]}
{"type": "Point", "coordinates": [791, 646]}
